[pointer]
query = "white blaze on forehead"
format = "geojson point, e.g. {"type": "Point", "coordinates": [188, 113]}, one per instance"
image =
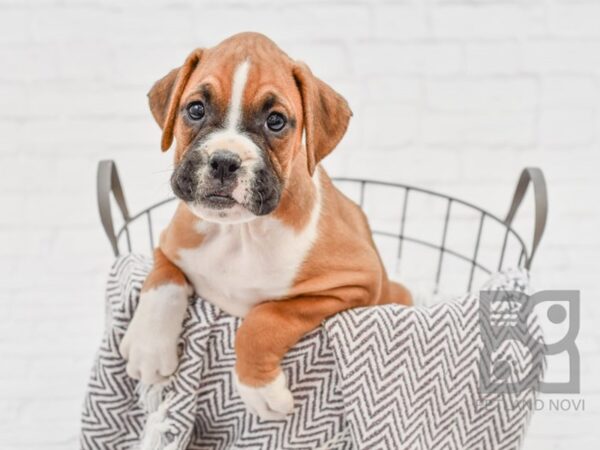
{"type": "Point", "coordinates": [240, 76]}
{"type": "Point", "coordinates": [233, 139]}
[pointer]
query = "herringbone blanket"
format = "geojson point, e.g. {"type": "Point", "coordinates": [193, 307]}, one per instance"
{"type": "Point", "coordinates": [371, 378]}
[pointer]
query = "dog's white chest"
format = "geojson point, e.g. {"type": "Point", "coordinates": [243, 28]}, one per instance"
{"type": "Point", "coordinates": [240, 265]}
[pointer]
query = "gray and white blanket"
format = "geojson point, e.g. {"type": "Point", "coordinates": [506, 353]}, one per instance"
{"type": "Point", "coordinates": [384, 377]}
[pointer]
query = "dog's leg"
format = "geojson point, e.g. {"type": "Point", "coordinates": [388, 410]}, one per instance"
{"type": "Point", "coordinates": [397, 293]}
{"type": "Point", "coordinates": [269, 330]}
{"type": "Point", "coordinates": [150, 343]}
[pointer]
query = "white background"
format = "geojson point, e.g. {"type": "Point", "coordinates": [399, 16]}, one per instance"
{"type": "Point", "coordinates": [451, 95]}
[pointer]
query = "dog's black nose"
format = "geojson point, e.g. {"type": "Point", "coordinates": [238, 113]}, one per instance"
{"type": "Point", "coordinates": [224, 164]}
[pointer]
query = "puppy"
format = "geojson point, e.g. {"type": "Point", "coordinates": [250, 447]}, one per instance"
{"type": "Point", "coordinates": [260, 231]}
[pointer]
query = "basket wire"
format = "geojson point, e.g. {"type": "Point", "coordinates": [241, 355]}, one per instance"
{"type": "Point", "coordinates": [109, 183]}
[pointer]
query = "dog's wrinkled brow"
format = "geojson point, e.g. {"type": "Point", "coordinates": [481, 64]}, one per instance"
{"type": "Point", "coordinates": [271, 99]}
{"type": "Point", "coordinates": [269, 102]}
{"type": "Point", "coordinates": [205, 90]}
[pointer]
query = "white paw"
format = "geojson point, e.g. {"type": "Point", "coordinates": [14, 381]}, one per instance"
{"type": "Point", "coordinates": [150, 343]}
{"type": "Point", "coordinates": [271, 402]}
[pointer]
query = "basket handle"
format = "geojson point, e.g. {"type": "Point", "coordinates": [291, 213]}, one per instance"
{"type": "Point", "coordinates": [108, 181]}
{"type": "Point", "coordinates": [534, 176]}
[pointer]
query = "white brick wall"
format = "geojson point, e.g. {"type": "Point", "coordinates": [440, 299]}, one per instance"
{"type": "Point", "coordinates": [455, 95]}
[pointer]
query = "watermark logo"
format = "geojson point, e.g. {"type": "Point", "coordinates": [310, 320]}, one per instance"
{"type": "Point", "coordinates": [513, 352]}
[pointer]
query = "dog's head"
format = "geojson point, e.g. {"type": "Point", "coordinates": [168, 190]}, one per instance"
{"type": "Point", "coordinates": [238, 112]}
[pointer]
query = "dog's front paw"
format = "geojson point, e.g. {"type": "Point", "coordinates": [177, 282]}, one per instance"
{"type": "Point", "coordinates": [151, 357]}
{"type": "Point", "coordinates": [272, 401]}
{"type": "Point", "coordinates": [150, 343]}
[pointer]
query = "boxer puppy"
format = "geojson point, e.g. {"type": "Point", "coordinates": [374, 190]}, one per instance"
{"type": "Point", "coordinates": [260, 231]}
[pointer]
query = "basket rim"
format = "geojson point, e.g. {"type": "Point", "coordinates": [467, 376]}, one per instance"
{"type": "Point", "coordinates": [109, 185]}
{"type": "Point", "coordinates": [363, 182]}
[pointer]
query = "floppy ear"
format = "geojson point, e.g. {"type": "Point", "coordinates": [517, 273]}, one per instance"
{"type": "Point", "coordinates": [326, 115]}
{"type": "Point", "coordinates": [165, 95]}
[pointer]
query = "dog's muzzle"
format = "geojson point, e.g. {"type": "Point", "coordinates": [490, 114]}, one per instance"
{"type": "Point", "coordinates": [220, 181]}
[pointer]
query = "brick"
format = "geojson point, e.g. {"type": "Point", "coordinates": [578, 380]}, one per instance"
{"type": "Point", "coordinates": [389, 125]}
{"type": "Point", "coordinates": [574, 19]}
{"type": "Point", "coordinates": [282, 22]}
{"type": "Point", "coordinates": [29, 63]}
{"type": "Point", "coordinates": [325, 60]}
{"type": "Point", "coordinates": [59, 411]}
{"type": "Point", "coordinates": [28, 174]}
{"type": "Point", "coordinates": [498, 129]}
{"type": "Point", "coordinates": [581, 169]}
{"type": "Point", "coordinates": [15, 97]}
{"type": "Point", "coordinates": [566, 127]}
{"type": "Point", "coordinates": [14, 26]}
{"type": "Point", "coordinates": [371, 59]}
{"type": "Point", "coordinates": [63, 24]}
{"type": "Point", "coordinates": [491, 21]}
{"type": "Point", "coordinates": [76, 62]}
{"type": "Point", "coordinates": [48, 435]}
{"type": "Point", "coordinates": [477, 170]}
{"type": "Point", "coordinates": [10, 131]}
{"type": "Point", "coordinates": [559, 56]}
{"type": "Point", "coordinates": [418, 166]}
{"type": "Point", "coordinates": [78, 242]}
{"type": "Point", "coordinates": [492, 58]}
{"type": "Point", "coordinates": [407, 21]}
{"type": "Point", "coordinates": [482, 95]}
{"type": "Point", "coordinates": [572, 200]}
{"type": "Point", "coordinates": [570, 91]}
{"type": "Point", "coordinates": [88, 100]}
{"type": "Point", "coordinates": [157, 23]}
{"type": "Point", "coordinates": [96, 135]}
{"type": "Point", "coordinates": [12, 205]}
{"type": "Point", "coordinates": [65, 210]}
{"type": "Point", "coordinates": [142, 65]}
{"type": "Point", "coordinates": [394, 89]}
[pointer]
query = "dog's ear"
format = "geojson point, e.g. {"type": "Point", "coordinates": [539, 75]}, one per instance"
{"type": "Point", "coordinates": [326, 115]}
{"type": "Point", "coordinates": [165, 95]}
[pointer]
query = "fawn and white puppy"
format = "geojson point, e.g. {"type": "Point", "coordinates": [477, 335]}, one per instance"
{"type": "Point", "coordinates": [260, 230]}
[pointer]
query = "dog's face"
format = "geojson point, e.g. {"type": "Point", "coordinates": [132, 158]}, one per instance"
{"type": "Point", "coordinates": [238, 112]}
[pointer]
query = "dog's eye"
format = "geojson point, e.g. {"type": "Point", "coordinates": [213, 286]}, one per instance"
{"type": "Point", "coordinates": [276, 121]}
{"type": "Point", "coordinates": [195, 110]}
